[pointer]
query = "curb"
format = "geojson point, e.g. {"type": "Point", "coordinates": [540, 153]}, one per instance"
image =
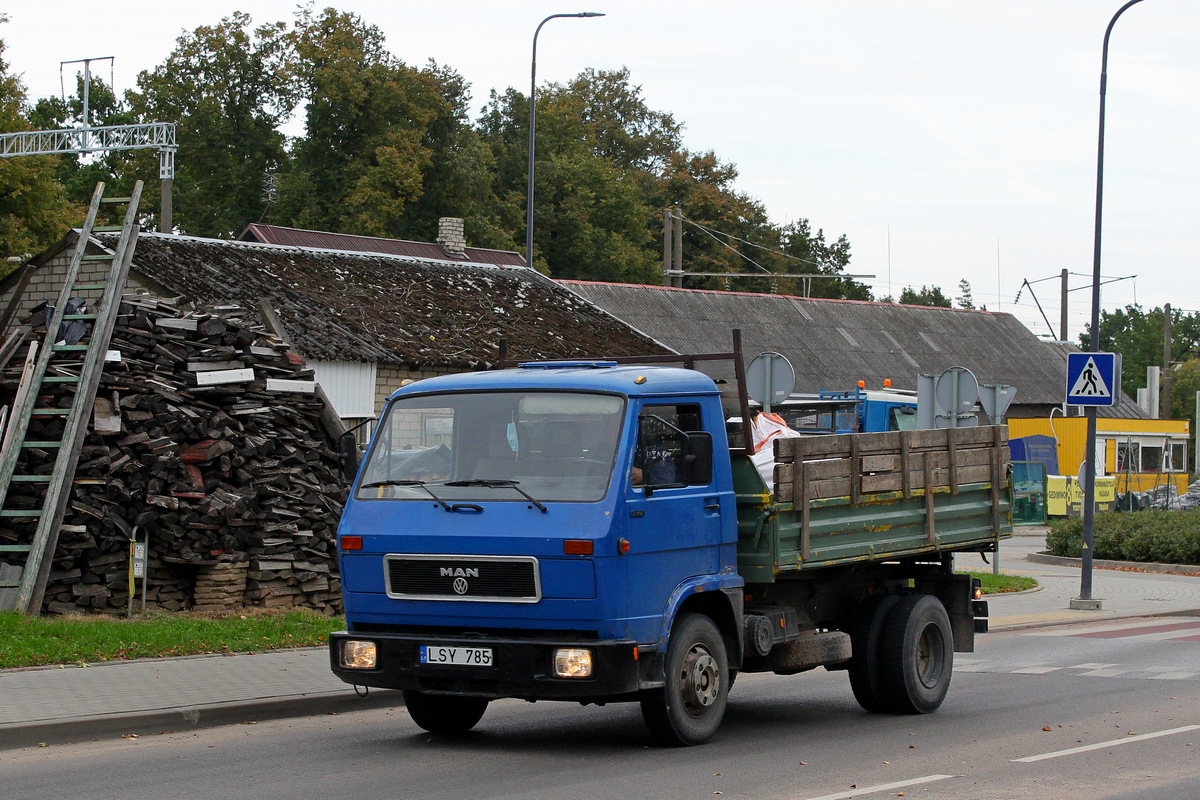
{"type": "Point", "coordinates": [143, 723]}
{"type": "Point", "coordinates": [1102, 563]}
{"type": "Point", "coordinates": [1092, 617]}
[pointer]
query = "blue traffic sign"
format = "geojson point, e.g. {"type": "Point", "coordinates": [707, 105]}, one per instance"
{"type": "Point", "coordinates": [1093, 379]}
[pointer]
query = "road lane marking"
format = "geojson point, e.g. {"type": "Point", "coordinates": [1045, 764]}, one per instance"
{"type": "Point", "coordinates": [1093, 665]}
{"type": "Point", "coordinates": [1167, 631]}
{"type": "Point", "coordinates": [1101, 745]}
{"type": "Point", "coordinates": [883, 787]}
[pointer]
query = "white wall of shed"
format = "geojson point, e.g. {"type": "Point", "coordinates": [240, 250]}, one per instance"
{"type": "Point", "coordinates": [350, 386]}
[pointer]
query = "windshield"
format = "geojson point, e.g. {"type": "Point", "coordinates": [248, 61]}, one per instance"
{"type": "Point", "coordinates": [473, 446]}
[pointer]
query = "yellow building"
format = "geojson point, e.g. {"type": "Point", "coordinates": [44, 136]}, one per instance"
{"type": "Point", "coordinates": [1139, 453]}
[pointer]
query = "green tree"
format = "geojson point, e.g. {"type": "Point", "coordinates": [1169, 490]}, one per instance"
{"type": "Point", "coordinates": [725, 230]}
{"type": "Point", "coordinates": [228, 88]}
{"type": "Point", "coordinates": [608, 166]}
{"type": "Point", "coordinates": [595, 142]}
{"type": "Point", "coordinates": [820, 257]}
{"type": "Point", "coordinates": [365, 149]}
{"type": "Point", "coordinates": [1137, 335]}
{"type": "Point", "coordinates": [458, 180]}
{"type": "Point", "coordinates": [928, 296]}
{"type": "Point", "coordinates": [34, 208]}
{"type": "Point", "coordinates": [964, 298]}
{"type": "Point", "coordinates": [1185, 383]}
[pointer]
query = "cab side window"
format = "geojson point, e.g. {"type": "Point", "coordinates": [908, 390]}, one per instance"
{"type": "Point", "coordinates": [662, 454]}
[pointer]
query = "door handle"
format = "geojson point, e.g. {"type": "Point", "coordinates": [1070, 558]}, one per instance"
{"type": "Point", "coordinates": [713, 507]}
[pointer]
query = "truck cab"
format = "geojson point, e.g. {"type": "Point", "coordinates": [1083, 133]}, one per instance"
{"type": "Point", "coordinates": [533, 532]}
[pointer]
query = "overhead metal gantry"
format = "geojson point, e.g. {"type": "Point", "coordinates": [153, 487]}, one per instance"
{"type": "Point", "coordinates": [102, 138]}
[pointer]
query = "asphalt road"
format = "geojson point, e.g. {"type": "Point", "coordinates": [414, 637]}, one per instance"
{"type": "Point", "coordinates": [1121, 703]}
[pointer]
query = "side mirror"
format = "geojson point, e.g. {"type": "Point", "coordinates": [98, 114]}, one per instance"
{"type": "Point", "coordinates": [348, 456]}
{"type": "Point", "coordinates": [699, 458]}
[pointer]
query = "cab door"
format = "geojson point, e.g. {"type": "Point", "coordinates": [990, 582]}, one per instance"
{"type": "Point", "coordinates": [674, 524]}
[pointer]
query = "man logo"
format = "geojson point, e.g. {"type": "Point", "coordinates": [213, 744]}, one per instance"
{"type": "Point", "coordinates": [460, 585]}
{"type": "Point", "coordinates": [458, 572]}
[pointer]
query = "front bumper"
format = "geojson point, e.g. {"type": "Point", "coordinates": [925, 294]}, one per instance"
{"type": "Point", "coordinates": [520, 667]}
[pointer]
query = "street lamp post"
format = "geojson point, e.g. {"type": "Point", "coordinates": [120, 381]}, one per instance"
{"type": "Point", "coordinates": [532, 119]}
{"type": "Point", "coordinates": [1089, 485]}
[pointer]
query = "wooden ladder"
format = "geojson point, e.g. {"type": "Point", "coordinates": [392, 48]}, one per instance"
{"type": "Point", "coordinates": [23, 585]}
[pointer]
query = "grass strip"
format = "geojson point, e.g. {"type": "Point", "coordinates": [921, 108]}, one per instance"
{"type": "Point", "coordinates": [41, 641]}
{"type": "Point", "coordinates": [999, 584]}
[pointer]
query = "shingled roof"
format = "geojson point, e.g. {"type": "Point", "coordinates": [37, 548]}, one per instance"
{"type": "Point", "coordinates": [348, 306]}
{"type": "Point", "coordinates": [345, 242]}
{"type": "Point", "coordinates": [832, 344]}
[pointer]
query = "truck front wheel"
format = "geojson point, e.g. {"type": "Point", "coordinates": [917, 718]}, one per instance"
{"type": "Point", "coordinates": [689, 708]}
{"type": "Point", "coordinates": [440, 713]}
{"type": "Point", "coordinates": [916, 655]}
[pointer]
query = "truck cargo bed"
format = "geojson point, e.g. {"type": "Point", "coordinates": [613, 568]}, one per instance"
{"type": "Point", "coordinates": [845, 498]}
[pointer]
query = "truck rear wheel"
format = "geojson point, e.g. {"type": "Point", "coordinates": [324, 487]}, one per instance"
{"type": "Point", "coordinates": [441, 713]}
{"type": "Point", "coordinates": [866, 637]}
{"type": "Point", "coordinates": [916, 655]}
{"type": "Point", "coordinates": [689, 708]}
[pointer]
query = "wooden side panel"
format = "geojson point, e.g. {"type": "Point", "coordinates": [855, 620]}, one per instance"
{"type": "Point", "coordinates": [890, 462]}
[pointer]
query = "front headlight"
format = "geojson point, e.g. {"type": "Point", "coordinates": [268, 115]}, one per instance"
{"type": "Point", "coordinates": [358, 654]}
{"type": "Point", "coordinates": [573, 662]}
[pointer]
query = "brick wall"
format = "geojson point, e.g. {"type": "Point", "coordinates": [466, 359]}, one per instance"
{"type": "Point", "coordinates": [388, 379]}
{"type": "Point", "coordinates": [46, 282]}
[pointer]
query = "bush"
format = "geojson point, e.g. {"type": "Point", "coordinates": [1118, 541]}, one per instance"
{"type": "Point", "coordinates": [1163, 537]}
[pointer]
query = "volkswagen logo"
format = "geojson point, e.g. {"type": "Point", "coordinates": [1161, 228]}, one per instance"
{"type": "Point", "coordinates": [460, 585]}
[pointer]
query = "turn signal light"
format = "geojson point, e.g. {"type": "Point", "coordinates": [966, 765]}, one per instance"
{"type": "Point", "coordinates": [351, 542]}
{"type": "Point", "coordinates": [578, 547]}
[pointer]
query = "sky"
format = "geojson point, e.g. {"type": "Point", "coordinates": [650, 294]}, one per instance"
{"type": "Point", "coordinates": [947, 140]}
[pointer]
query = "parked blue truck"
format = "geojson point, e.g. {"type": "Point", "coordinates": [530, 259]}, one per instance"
{"type": "Point", "coordinates": [581, 531]}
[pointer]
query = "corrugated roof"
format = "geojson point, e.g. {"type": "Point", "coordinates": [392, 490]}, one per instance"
{"type": "Point", "coordinates": [833, 344]}
{"type": "Point", "coordinates": [350, 306]}
{"type": "Point", "coordinates": [345, 242]}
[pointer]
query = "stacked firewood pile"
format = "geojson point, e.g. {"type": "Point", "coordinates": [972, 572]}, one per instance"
{"type": "Point", "coordinates": [205, 437]}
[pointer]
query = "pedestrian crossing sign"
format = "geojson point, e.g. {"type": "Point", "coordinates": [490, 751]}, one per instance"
{"type": "Point", "coordinates": [1093, 379]}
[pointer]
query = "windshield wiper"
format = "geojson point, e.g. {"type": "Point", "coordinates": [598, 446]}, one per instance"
{"type": "Point", "coordinates": [377, 484]}
{"type": "Point", "coordinates": [500, 484]}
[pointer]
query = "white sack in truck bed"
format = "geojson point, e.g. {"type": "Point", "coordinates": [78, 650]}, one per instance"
{"type": "Point", "coordinates": [765, 428]}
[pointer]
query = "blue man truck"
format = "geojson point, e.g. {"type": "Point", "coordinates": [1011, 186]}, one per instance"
{"type": "Point", "coordinates": [581, 531]}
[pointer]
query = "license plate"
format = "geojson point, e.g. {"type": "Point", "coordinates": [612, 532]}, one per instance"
{"type": "Point", "coordinates": [467, 656]}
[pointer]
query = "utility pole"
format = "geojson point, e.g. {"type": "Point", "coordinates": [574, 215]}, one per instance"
{"type": "Point", "coordinates": [1062, 310]}
{"type": "Point", "coordinates": [1166, 378]}
{"type": "Point", "coordinates": [677, 235]}
{"type": "Point", "coordinates": [668, 233]}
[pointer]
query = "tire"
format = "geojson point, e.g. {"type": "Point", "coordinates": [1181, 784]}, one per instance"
{"type": "Point", "coordinates": [689, 708]}
{"type": "Point", "coordinates": [441, 713]}
{"type": "Point", "coordinates": [916, 655]}
{"type": "Point", "coordinates": [866, 636]}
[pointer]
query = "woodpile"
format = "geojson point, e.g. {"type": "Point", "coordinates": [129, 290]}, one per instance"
{"type": "Point", "coordinates": [206, 437]}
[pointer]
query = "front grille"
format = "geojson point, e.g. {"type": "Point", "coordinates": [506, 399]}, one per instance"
{"type": "Point", "coordinates": [471, 578]}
